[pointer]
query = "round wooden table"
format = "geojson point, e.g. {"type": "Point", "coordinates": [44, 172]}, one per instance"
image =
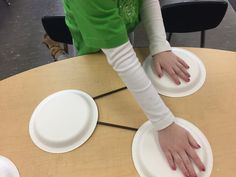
{"type": "Point", "coordinates": [108, 152]}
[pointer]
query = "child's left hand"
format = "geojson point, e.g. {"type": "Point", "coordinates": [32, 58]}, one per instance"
{"type": "Point", "coordinates": [173, 65]}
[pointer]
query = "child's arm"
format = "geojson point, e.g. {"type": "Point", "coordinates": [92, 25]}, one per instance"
{"type": "Point", "coordinates": [177, 144]}
{"type": "Point", "coordinates": [153, 23]}
{"type": "Point", "coordinates": [159, 47]}
{"type": "Point", "coordinates": [125, 62]}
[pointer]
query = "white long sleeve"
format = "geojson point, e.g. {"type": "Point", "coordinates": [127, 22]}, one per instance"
{"type": "Point", "coordinates": [153, 24]}
{"type": "Point", "coordinates": [124, 61]}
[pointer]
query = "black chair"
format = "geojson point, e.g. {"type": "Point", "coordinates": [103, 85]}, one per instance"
{"type": "Point", "coordinates": [181, 16]}
{"type": "Point", "coordinates": [57, 30]}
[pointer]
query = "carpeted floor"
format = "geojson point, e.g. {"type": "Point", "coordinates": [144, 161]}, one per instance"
{"type": "Point", "coordinates": [233, 4]}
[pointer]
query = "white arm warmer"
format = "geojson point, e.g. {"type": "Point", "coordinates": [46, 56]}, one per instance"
{"type": "Point", "coordinates": [153, 24]}
{"type": "Point", "coordinates": [125, 62]}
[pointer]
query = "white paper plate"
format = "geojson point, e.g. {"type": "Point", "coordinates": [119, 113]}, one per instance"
{"type": "Point", "coordinates": [63, 121]}
{"type": "Point", "coordinates": [7, 168]}
{"type": "Point", "coordinates": [167, 87]}
{"type": "Point", "coordinates": [150, 161]}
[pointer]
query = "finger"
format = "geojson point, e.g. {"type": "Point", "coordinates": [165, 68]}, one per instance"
{"type": "Point", "coordinates": [183, 69]}
{"type": "Point", "coordinates": [180, 164]}
{"type": "Point", "coordinates": [187, 163]}
{"type": "Point", "coordinates": [170, 160]}
{"type": "Point", "coordinates": [173, 76]}
{"type": "Point", "coordinates": [181, 74]}
{"type": "Point", "coordinates": [192, 153]}
{"type": "Point", "coordinates": [183, 62]}
{"type": "Point", "coordinates": [192, 141]}
{"type": "Point", "coordinates": [158, 69]}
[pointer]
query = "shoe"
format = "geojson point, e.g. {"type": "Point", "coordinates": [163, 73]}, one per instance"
{"type": "Point", "coordinates": [55, 48]}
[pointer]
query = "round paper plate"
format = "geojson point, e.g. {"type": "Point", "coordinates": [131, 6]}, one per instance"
{"type": "Point", "coordinates": [7, 168]}
{"type": "Point", "coordinates": [149, 160]}
{"type": "Point", "coordinates": [167, 87]}
{"type": "Point", "coordinates": [63, 121]}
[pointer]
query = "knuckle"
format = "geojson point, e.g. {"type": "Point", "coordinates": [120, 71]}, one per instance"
{"type": "Point", "coordinates": [158, 71]}
{"type": "Point", "coordinates": [185, 171]}
{"type": "Point", "coordinates": [170, 70]}
{"type": "Point", "coordinates": [157, 67]}
{"type": "Point", "coordinates": [182, 168]}
{"type": "Point", "coordinates": [169, 158]}
{"type": "Point", "coordinates": [183, 69]}
{"type": "Point", "coordinates": [172, 74]}
{"type": "Point", "coordinates": [188, 163]}
{"type": "Point", "coordinates": [181, 60]}
{"type": "Point", "coordinates": [178, 161]}
{"type": "Point", "coordinates": [182, 75]}
{"type": "Point", "coordinates": [195, 157]}
{"type": "Point", "coordinates": [178, 71]}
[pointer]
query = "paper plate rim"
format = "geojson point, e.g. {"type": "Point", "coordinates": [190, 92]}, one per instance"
{"type": "Point", "coordinates": [12, 165]}
{"type": "Point", "coordinates": [67, 148]}
{"type": "Point", "coordinates": [187, 92]}
{"type": "Point", "coordinates": [178, 120]}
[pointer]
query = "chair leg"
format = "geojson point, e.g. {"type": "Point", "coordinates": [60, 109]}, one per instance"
{"type": "Point", "coordinates": [131, 38]}
{"type": "Point", "coordinates": [169, 37]}
{"type": "Point", "coordinates": [202, 39]}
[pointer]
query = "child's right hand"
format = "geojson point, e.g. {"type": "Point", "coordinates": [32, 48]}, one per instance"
{"type": "Point", "coordinates": [173, 65]}
{"type": "Point", "coordinates": [179, 148]}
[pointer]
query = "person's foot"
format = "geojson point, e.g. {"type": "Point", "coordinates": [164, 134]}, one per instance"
{"type": "Point", "coordinates": [57, 52]}
{"type": "Point", "coordinates": [55, 48]}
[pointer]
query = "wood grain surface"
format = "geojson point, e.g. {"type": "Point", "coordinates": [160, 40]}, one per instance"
{"type": "Point", "coordinates": [108, 152]}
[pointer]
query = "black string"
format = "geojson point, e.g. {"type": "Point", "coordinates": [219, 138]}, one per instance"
{"type": "Point", "coordinates": [117, 126]}
{"type": "Point", "coordinates": [110, 124]}
{"type": "Point", "coordinates": [109, 93]}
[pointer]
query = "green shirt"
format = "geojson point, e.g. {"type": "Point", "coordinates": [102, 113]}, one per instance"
{"type": "Point", "coordinates": [96, 24]}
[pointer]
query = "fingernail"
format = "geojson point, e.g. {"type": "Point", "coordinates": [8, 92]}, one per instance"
{"type": "Point", "coordinates": [203, 169]}
{"type": "Point", "coordinates": [173, 168]}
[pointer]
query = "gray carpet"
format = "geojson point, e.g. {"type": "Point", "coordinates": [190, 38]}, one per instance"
{"type": "Point", "coordinates": [233, 4]}
{"type": "Point", "coordinates": [21, 35]}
